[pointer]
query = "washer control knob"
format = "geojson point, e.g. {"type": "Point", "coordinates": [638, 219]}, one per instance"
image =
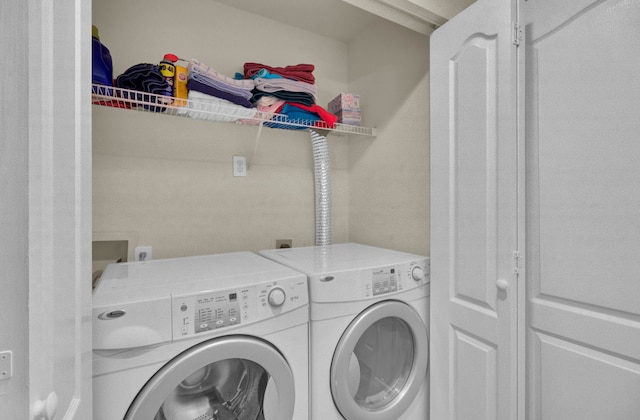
{"type": "Point", "coordinates": [276, 297]}
{"type": "Point", "coordinates": [417, 273]}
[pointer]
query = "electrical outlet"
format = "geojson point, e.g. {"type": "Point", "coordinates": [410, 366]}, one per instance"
{"type": "Point", "coordinates": [143, 253]}
{"type": "Point", "coordinates": [284, 243]}
{"type": "Point", "coordinates": [239, 166]}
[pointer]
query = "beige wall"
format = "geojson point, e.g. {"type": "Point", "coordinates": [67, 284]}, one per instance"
{"type": "Point", "coordinates": [167, 181]}
{"type": "Point", "coordinates": [389, 175]}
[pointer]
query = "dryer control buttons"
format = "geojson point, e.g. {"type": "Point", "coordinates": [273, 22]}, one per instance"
{"type": "Point", "coordinates": [276, 297]}
{"type": "Point", "coordinates": [383, 280]}
{"type": "Point", "coordinates": [417, 273]}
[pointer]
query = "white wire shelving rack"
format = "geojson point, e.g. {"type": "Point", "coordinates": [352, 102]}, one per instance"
{"type": "Point", "coordinates": [203, 110]}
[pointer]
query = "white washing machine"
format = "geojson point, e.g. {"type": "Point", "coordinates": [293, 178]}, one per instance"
{"type": "Point", "coordinates": [217, 337]}
{"type": "Point", "coordinates": [369, 338]}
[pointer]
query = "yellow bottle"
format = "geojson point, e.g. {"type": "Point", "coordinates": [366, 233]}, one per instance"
{"type": "Point", "coordinates": [180, 88]}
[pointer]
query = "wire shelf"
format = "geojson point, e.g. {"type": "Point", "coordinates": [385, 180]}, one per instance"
{"type": "Point", "coordinates": [220, 111]}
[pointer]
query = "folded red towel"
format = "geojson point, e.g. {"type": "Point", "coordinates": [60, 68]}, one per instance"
{"type": "Point", "coordinates": [300, 72]}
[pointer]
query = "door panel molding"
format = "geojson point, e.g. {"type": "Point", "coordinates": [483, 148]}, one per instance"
{"type": "Point", "coordinates": [473, 375]}
{"type": "Point", "coordinates": [473, 136]}
{"type": "Point", "coordinates": [582, 219]}
{"type": "Point", "coordinates": [474, 214]}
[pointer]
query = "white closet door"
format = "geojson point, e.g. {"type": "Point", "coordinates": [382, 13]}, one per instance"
{"type": "Point", "coordinates": [474, 215]}
{"type": "Point", "coordinates": [583, 201]}
{"type": "Point", "coordinates": [59, 209]}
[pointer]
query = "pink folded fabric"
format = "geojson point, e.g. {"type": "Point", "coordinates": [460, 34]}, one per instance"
{"type": "Point", "coordinates": [272, 108]}
{"type": "Point", "coordinates": [267, 108]}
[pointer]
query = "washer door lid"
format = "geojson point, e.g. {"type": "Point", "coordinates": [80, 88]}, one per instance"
{"type": "Point", "coordinates": [192, 365]}
{"type": "Point", "coordinates": [380, 363]}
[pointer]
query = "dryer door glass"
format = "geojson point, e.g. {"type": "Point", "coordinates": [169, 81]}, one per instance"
{"type": "Point", "coordinates": [383, 358]}
{"type": "Point", "coordinates": [380, 362]}
{"type": "Point", "coordinates": [229, 378]}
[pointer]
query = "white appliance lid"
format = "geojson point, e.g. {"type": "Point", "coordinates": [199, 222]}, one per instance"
{"type": "Point", "coordinates": [163, 277]}
{"type": "Point", "coordinates": [318, 260]}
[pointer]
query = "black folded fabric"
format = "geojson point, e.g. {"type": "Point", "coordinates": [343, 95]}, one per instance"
{"type": "Point", "coordinates": [299, 97]}
{"type": "Point", "coordinates": [144, 78]}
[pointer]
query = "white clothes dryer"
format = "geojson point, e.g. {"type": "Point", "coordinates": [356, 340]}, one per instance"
{"type": "Point", "coordinates": [215, 337]}
{"type": "Point", "coordinates": [369, 321]}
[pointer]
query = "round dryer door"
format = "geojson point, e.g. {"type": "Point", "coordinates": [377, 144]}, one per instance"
{"type": "Point", "coordinates": [380, 363]}
{"type": "Point", "coordinates": [228, 378]}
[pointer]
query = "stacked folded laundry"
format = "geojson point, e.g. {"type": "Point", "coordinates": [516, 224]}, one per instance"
{"type": "Point", "coordinates": [215, 96]}
{"type": "Point", "coordinates": [289, 92]}
{"type": "Point", "coordinates": [281, 97]}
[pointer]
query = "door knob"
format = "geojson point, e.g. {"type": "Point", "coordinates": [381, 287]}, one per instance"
{"type": "Point", "coordinates": [46, 409]}
{"type": "Point", "coordinates": [502, 285]}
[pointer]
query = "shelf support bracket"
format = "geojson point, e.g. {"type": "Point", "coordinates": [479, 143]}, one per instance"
{"type": "Point", "coordinates": [255, 143]}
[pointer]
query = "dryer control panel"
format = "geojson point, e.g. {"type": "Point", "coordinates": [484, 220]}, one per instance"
{"type": "Point", "coordinates": [369, 283]}
{"type": "Point", "coordinates": [395, 278]}
{"type": "Point", "coordinates": [196, 314]}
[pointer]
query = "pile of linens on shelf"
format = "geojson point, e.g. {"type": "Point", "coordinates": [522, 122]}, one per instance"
{"type": "Point", "coordinates": [281, 97]}
{"type": "Point", "coordinates": [215, 96]}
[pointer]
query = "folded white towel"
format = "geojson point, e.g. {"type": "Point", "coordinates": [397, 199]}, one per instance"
{"type": "Point", "coordinates": [195, 66]}
{"type": "Point", "coordinates": [206, 107]}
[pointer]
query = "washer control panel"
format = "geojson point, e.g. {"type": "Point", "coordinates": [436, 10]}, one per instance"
{"type": "Point", "coordinates": [196, 314]}
{"type": "Point", "coordinates": [216, 311]}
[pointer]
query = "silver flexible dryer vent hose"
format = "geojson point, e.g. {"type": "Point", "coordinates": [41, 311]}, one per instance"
{"type": "Point", "coordinates": [322, 167]}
